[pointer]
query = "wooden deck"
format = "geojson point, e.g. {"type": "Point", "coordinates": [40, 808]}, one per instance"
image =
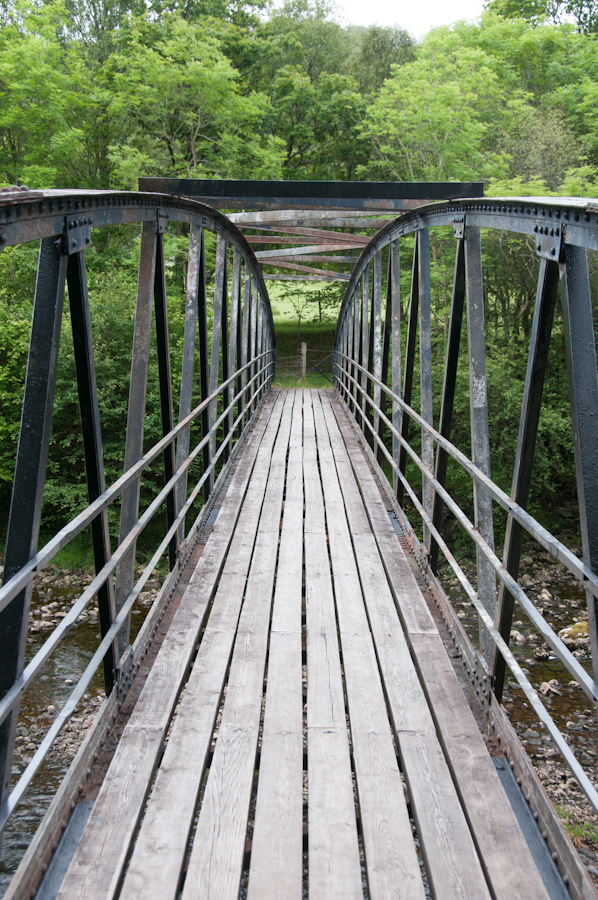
{"type": "Point", "coordinates": [297, 736]}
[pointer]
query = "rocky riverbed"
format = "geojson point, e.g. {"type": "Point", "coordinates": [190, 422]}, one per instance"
{"type": "Point", "coordinates": [54, 593]}
{"type": "Point", "coordinates": [554, 591]}
{"type": "Point", "coordinates": [561, 600]}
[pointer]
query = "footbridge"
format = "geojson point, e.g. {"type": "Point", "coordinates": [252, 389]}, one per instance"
{"type": "Point", "coordinates": [306, 711]}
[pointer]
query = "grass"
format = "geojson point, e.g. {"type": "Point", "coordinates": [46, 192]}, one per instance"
{"type": "Point", "coordinates": [580, 832]}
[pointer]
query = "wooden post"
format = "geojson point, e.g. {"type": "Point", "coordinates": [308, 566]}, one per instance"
{"type": "Point", "coordinates": [303, 360]}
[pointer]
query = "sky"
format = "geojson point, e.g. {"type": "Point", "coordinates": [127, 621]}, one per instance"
{"type": "Point", "coordinates": [417, 16]}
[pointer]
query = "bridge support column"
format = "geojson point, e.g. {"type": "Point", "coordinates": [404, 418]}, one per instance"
{"type": "Point", "coordinates": [583, 395]}
{"type": "Point", "coordinates": [30, 475]}
{"type": "Point", "coordinates": [480, 438]}
{"type": "Point", "coordinates": [448, 389]}
{"type": "Point", "coordinates": [409, 360]}
{"type": "Point", "coordinates": [526, 443]}
{"type": "Point", "coordinates": [129, 509]}
{"type": "Point", "coordinates": [425, 367]}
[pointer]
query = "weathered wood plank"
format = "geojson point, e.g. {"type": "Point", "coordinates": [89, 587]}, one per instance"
{"type": "Point", "coordinates": [504, 854]}
{"type": "Point", "coordinates": [276, 868]}
{"type": "Point", "coordinates": [216, 859]}
{"type": "Point", "coordinates": [96, 869]}
{"type": "Point", "coordinates": [334, 867]}
{"type": "Point", "coordinates": [156, 865]}
{"type": "Point", "coordinates": [389, 849]}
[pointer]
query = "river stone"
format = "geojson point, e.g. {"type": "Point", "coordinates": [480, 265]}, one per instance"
{"type": "Point", "coordinates": [576, 635]}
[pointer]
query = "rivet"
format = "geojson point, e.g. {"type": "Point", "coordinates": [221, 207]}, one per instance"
{"type": "Point", "coordinates": [512, 764]}
{"type": "Point", "coordinates": [545, 835]}
{"type": "Point", "coordinates": [555, 857]}
{"type": "Point", "coordinates": [536, 816]}
{"type": "Point", "coordinates": [73, 243]}
{"type": "Point", "coordinates": [538, 247]}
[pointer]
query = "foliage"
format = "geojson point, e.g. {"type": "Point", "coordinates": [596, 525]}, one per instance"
{"type": "Point", "coordinates": [94, 93]}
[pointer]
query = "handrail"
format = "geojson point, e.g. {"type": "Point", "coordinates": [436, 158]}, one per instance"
{"type": "Point", "coordinates": [236, 366]}
{"type": "Point", "coordinates": [369, 378]}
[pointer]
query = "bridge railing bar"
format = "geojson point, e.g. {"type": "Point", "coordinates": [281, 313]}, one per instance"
{"type": "Point", "coordinates": [64, 222]}
{"type": "Point", "coordinates": [116, 627]}
{"type": "Point", "coordinates": [559, 648]}
{"type": "Point", "coordinates": [562, 232]}
{"type": "Point", "coordinates": [565, 656]}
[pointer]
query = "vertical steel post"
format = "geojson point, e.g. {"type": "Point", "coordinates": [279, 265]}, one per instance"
{"type": "Point", "coordinates": [165, 382]}
{"type": "Point", "coordinates": [245, 335]}
{"type": "Point", "coordinates": [377, 340]}
{"type": "Point", "coordinates": [425, 366]}
{"type": "Point", "coordinates": [480, 437]}
{"type": "Point", "coordinates": [204, 376]}
{"type": "Point", "coordinates": [394, 276]}
{"type": "Point", "coordinates": [188, 362]}
{"type": "Point", "coordinates": [30, 475]}
{"type": "Point", "coordinates": [409, 362]}
{"type": "Point", "coordinates": [448, 389]}
{"type": "Point", "coordinates": [129, 509]}
{"type": "Point", "coordinates": [370, 361]}
{"type": "Point", "coordinates": [253, 340]}
{"type": "Point", "coordinates": [215, 348]}
{"type": "Point", "coordinates": [583, 395]}
{"type": "Point", "coordinates": [365, 340]}
{"type": "Point", "coordinates": [233, 344]}
{"type": "Point", "coordinates": [349, 350]}
{"type": "Point", "coordinates": [537, 362]}
{"type": "Point", "coordinates": [355, 347]}
{"type": "Point", "coordinates": [385, 355]}
{"type": "Point", "coordinates": [92, 442]}
{"type": "Point", "coordinates": [258, 351]}
{"type": "Point", "coordinates": [227, 392]}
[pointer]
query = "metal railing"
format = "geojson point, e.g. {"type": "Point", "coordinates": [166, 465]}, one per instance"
{"type": "Point", "coordinates": [378, 390]}
{"type": "Point", "coordinates": [236, 359]}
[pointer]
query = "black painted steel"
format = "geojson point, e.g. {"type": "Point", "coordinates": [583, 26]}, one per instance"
{"type": "Point", "coordinates": [92, 442]}
{"type": "Point", "coordinates": [583, 395]}
{"type": "Point", "coordinates": [165, 380]}
{"type": "Point", "coordinates": [526, 444]}
{"type": "Point", "coordinates": [342, 194]}
{"type": "Point", "coordinates": [448, 389]}
{"type": "Point", "coordinates": [562, 233]}
{"type": "Point", "coordinates": [30, 474]}
{"type": "Point", "coordinates": [409, 363]}
{"type": "Point", "coordinates": [65, 222]}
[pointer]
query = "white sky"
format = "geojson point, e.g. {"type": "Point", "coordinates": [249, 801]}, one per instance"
{"type": "Point", "coordinates": [417, 16]}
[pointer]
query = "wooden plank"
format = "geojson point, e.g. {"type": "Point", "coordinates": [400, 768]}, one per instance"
{"type": "Point", "coordinates": [451, 859]}
{"type": "Point", "coordinates": [277, 854]}
{"type": "Point", "coordinates": [96, 869]}
{"type": "Point", "coordinates": [334, 866]}
{"type": "Point", "coordinates": [216, 857]}
{"type": "Point", "coordinates": [286, 612]}
{"type": "Point", "coordinates": [504, 854]}
{"type": "Point", "coordinates": [415, 615]}
{"type": "Point", "coordinates": [157, 862]}
{"type": "Point", "coordinates": [276, 868]}
{"type": "Point", "coordinates": [389, 849]}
